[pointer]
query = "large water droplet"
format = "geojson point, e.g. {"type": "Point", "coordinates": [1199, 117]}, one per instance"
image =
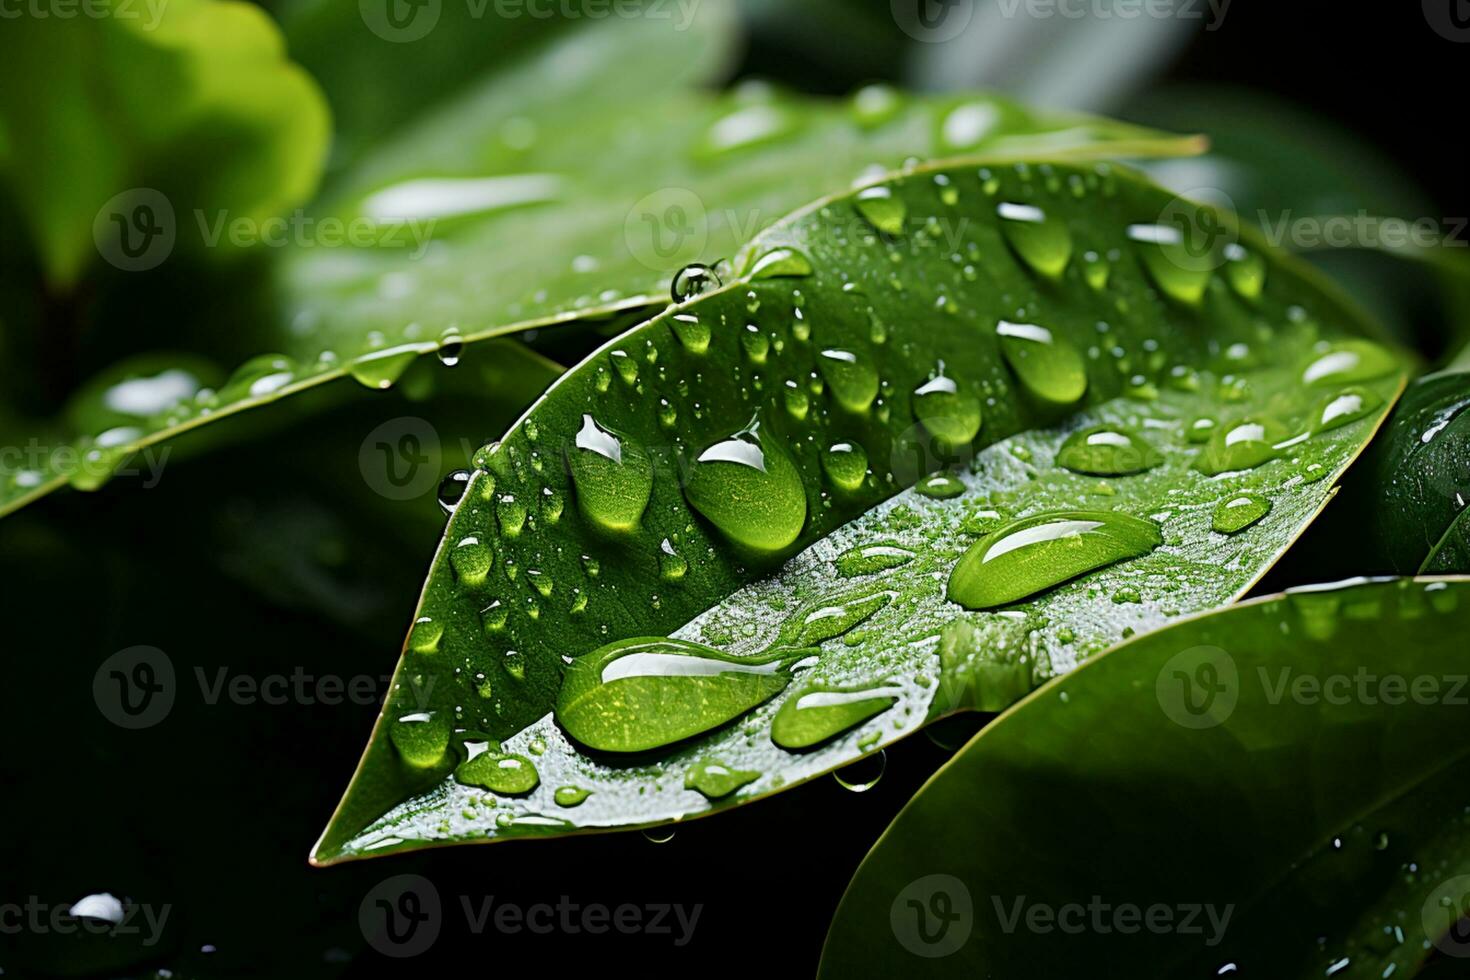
{"type": "Point", "coordinates": [647, 692]}
{"type": "Point", "coordinates": [1036, 553]}
{"type": "Point", "coordinates": [949, 415]}
{"type": "Point", "coordinates": [691, 281]}
{"type": "Point", "coordinates": [693, 333]}
{"type": "Point", "coordinates": [780, 263]}
{"type": "Point", "coordinates": [1240, 512]}
{"type": "Point", "coordinates": [1174, 261]}
{"type": "Point", "coordinates": [1041, 242]}
{"type": "Point", "coordinates": [882, 209]}
{"type": "Point", "coordinates": [1106, 450]}
{"type": "Point", "coordinates": [504, 773]}
{"type": "Point", "coordinates": [1050, 367]}
{"type": "Point", "coordinates": [864, 774]}
{"type": "Point", "coordinates": [851, 377]}
{"type": "Point", "coordinates": [748, 488]}
{"type": "Point", "coordinates": [822, 712]}
{"type": "Point", "coordinates": [716, 780]}
{"type": "Point", "coordinates": [452, 488]}
{"type": "Point", "coordinates": [421, 738]}
{"type": "Point", "coordinates": [1241, 445]}
{"type": "Point", "coordinates": [612, 474]}
{"type": "Point", "coordinates": [1346, 406]}
{"type": "Point", "coordinates": [1348, 361]}
{"type": "Point", "coordinates": [846, 465]}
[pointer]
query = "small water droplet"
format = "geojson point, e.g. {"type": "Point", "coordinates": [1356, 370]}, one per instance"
{"type": "Point", "coordinates": [882, 209]}
{"type": "Point", "coordinates": [851, 377]}
{"type": "Point", "coordinates": [693, 280]}
{"type": "Point", "coordinates": [949, 415]}
{"type": "Point", "coordinates": [1237, 513]}
{"type": "Point", "coordinates": [940, 486]}
{"type": "Point", "coordinates": [1241, 445]}
{"type": "Point", "coordinates": [612, 474]}
{"type": "Point", "coordinates": [1051, 368]}
{"type": "Point", "coordinates": [846, 465]}
{"type": "Point", "coordinates": [864, 774]}
{"type": "Point", "coordinates": [421, 738]}
{"type": "Point", "coordinates": [570, 796]}
{"type": "Point", "coordinates": [504, 773]}
{"type": "Point", "coordinates": [1347, 362]}
{"type": "Point", "coordinates": [1041, 242]}
{"type": "Point", "coordinates": [1106, 450]}
{"type": "Point", "coordinates": [780, 263]}
{"type": "Point", "coordinates": [716, 780]}
{"type": "Point", "coordinates": [821, 712]}
{"type": "Point", "coordinates": [750, 490]}
{"type": "Point", "coordinates": [452, 488]}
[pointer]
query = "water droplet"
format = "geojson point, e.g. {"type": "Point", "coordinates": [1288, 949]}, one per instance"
{"type": "Point", "coordinates": [862, 775]}
{"type": "Point", "coordinates": [471, 560]}
{"type": "Point", "coordinates": [380, 368]}
{"type": "Point", "coordinates": [514, 663]}
{"type": "Point", "coordinates": [1348, 361]}
{"type": "Point", "coordinates": [829, 621]}
{"type": "Point", "coordinates": [873, 105]}
{"type": "Point", "coordinates": [1201, 429]}
{"type": "Point", "coordinates": [940, 486]}
{"type": "Point", "coordinates": [757, 345]}
{"type": "Point", "coordinates": [822, 712]}
{"type": "Point", "coordinates": [1172, 262]}
{"type": "Point", "coordinates": [450, 349]}
{"type": "Point", "coordinates": [612, 474]}
{"type": "Point", "coordinates": [947, 414]}
{"type": "Point", "coordinates": [1241, 445]}
{"type": "Point", "coordinates": [452, 488]}
{"type": "Point", "coordinates": [868, 559]}
{"type": "Point", "coordinates": [1105, 450]}
{"type": "Point", "coordinates": [511, 513]}
{"type": "Point", "coordinates": [749, 489]}
{"type": "Point", "coordinates": [852, 378]}
{"type": "Point", "coordinates": [494, 616]}
{"type": "Point", "coordinates": [1238, 513]}
{"type": "Point", "coordinates": [504, 773]}
{"type": "Point", "coordinates": [1245, 271]}
{"type": "Point", "coordinates": [1050, 368]}
{"type": "Point", "coordinates": [691, 281]}
{"type": "Point", "coordinates": [1036, 553]}
{"type": "Point", "coordinates": [671, 565]}
{"type": "Point", "coordinates": [1041, 242]}
{"type": "Point", "coordinates": [570, 796]}
{"type": "Point", "coordinates": [658, 835]}
{"type": "Point", "coordinates": [1346, 406]}
{"type": "Point", "coordinates": [693, 333]}
{"type": "Point", "coordinates": [647, 692]}
{"type": "Point", "coordinates": [846, 465]}
{"type": "Point", "coordinates": [780, 263]}
{"type": "Point", "coordinates": [882, 209]}
{"type": "Point", "coordinates": [716, 780]}
{"type": "Point", "coordinates": [421, 738]}
{"type": "Point", "coordinates": [259, 377]}
{"type": "Point", "coordinates": [626, 366]}
{"type": "Point", "coordinates": [1095, 270]}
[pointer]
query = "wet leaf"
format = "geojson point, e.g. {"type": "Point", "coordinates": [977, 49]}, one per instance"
{"type": "Point", "coordinates": [782, 418]}
{"type": "Point", "coordinates": [1276, 788]}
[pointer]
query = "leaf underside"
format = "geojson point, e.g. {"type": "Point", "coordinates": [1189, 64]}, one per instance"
{"type": "Point", "coordinates": [909, 306]}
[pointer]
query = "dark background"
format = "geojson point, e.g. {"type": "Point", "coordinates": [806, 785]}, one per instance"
{"type": "Point", "coordinates": [229, 564]}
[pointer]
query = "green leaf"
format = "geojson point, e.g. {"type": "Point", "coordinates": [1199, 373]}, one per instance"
{"type": "Point", "coordinates": [193, 100]}
{"type": "Point", "coordinates": [522, 232]}
{"type": "Point", "coordinates": [1402, 511]}
{"type": "Point", "coordinates": [1278, 785]}
{"type": "Point", "coordinates": [845, 365]}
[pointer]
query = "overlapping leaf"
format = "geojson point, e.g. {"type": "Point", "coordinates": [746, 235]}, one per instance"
{"type": "Point", "coordinates": [976, 318]}
{"type": "Point", "coordinates": [569, 185]}
{"type": "Point", "coordinates": [1276, 788]}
